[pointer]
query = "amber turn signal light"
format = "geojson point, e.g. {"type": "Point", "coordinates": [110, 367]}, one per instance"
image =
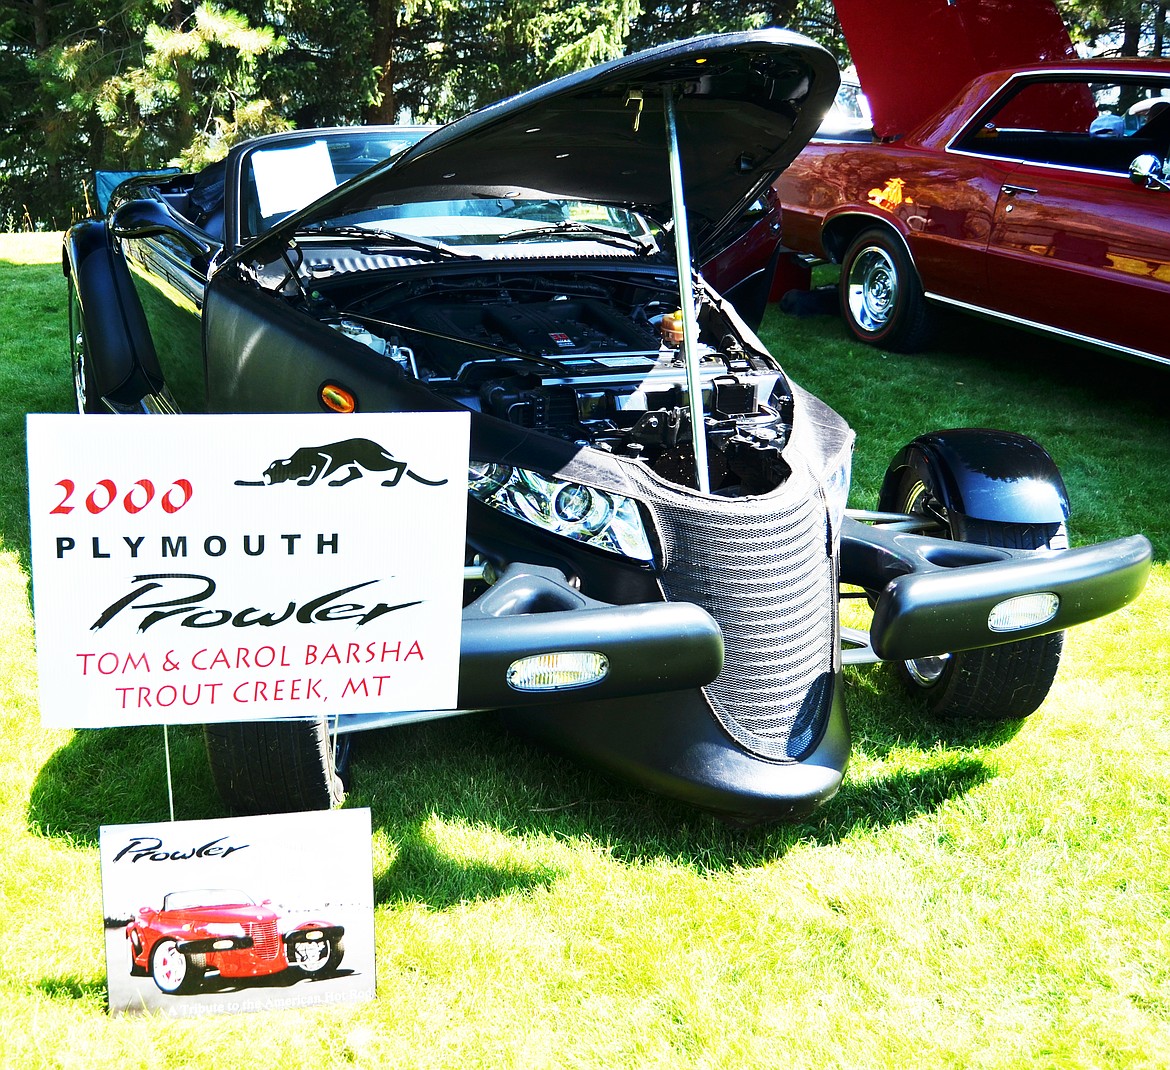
{"type": "Point", "coordinates": [337, 398]}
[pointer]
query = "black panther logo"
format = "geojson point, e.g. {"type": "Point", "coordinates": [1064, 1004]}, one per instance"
{"type": "Point", "coordinates": [352, 458]}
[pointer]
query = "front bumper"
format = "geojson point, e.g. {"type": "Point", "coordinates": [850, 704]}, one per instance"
{"type": "Point", "coordinates": [931, 596]}
{"type": "Point", "coordinates": [650, 647]}
{"type": "Point", "coordinates": [677, 742]}
{"type": "Point", "coordinates": [934, 596]}
{"type": "Point", "coordinates": [674, 746]}
{"type": "Point", "coordinates": [216, 945]}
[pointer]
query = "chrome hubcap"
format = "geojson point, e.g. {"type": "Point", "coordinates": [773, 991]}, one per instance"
{"type": "Point", "coordinates": [79, 371]}
{"type": "Point", "coordinates": [872, 288]}
{"type": "Point", "coordinates": [926, 672]}
{"type": "Point", "coordinates": [170, 967]}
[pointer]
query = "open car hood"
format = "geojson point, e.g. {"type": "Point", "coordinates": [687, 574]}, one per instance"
{"type": "Point", "coordinates": [913, 56]}
{"type": "Point", "coordinates": [746, 104]}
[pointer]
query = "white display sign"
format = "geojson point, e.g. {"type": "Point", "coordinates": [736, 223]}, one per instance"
{"type": "Point", "coordinates": [239, 914]}
{"type": "Point", "coordinates": [223, 568]}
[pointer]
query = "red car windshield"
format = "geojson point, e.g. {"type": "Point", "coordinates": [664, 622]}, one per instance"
{"type": "Point", "coordinates": [207, 897]}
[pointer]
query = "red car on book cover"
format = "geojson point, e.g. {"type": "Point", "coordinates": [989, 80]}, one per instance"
{"type": "Point", "coordinates": [225, 931]}
{"type": "Point", "coordinates": [1004, 177]}
{"type": "Point", "coordinates": [657, 523]}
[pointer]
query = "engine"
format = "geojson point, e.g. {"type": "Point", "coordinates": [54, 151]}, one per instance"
{"type": "Point", "coordinates": [596, 362]}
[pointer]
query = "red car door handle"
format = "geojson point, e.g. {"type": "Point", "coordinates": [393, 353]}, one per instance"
{"type": "Point", "coordinates": [1011, 191]}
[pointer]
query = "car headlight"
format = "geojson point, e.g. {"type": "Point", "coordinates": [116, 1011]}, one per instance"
{"type": "Point", "coordinates": [595, 517]}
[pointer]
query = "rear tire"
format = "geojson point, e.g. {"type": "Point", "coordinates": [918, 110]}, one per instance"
{"type": "Point", "coordinates": [996, 683]}
{"type": "Point", "coordinates": [881, 295]}
{"type": "Point", "coordinates": [318, 960]}
{"type": "Point", "coordinates": [276, 767]}
{"type": "Point", "coordinates": [84, 387]}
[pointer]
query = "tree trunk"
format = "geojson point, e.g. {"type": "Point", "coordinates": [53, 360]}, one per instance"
{"type": "Point", "coordinates": [40, 25]}
{"type": "Point", "coordinates": [1131, 37]}
{"type": "Point", "coordinates": [384, 17]}
{"type": "Point", "coordinates": [185, 123]}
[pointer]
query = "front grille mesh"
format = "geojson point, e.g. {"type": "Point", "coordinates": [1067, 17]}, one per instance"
{"type": "Point", "coordinates": [265, 941]}
{"type": "Point", "coordinates": [760, 567]}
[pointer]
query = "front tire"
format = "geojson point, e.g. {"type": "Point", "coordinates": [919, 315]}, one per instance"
{"type": "Point", "coordinates": [318, 958]}
{"type": "Point", "coordinates": [173, 972]}
{"type": "Point", "coordinates": [881, 294]}
{"type": "Point", "coordinates": [996, 683]}
{"type": "Point", "coordinates": [276, 767]}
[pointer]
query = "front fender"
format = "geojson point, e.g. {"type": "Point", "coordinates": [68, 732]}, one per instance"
{"type": "Point", "coordinates": [309, 933]}
{"type": "Point", "coordinates": [985, 474]}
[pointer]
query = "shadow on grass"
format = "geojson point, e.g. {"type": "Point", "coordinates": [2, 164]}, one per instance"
{"type": "Point", "coordinates": [118, 776]}
{"type": "Point", "coordinates": [474, 773]}
{"type": "Point", "coordinates": [477, 773]}
{"type": "Point", "coordinates": [423, 873]}
{"type": "Point", "coordinates": [521, 790]}
{"type": "Point", "coordinates": [72, 988]}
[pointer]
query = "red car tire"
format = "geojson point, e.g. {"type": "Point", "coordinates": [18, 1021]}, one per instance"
{"type": "Point", "coordinates": [173, 972]}
{"type": "Point", "coordinates": [324, 963]}
{"type": "Point", "coordinates": [881, 293]}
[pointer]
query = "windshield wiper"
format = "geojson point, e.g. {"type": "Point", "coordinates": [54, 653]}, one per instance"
{"type": "Point", "coordinates": [344, 230]}
{"type": "Point", "coordinates": [643, 245]}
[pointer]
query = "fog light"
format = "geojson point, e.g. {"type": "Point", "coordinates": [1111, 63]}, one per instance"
{"type": "Point", "coordinates": [223, 945]}
{"type": "Point", "coordinates": [1025, 611]}
{"type": "Point", "coordinates": [558, 671]}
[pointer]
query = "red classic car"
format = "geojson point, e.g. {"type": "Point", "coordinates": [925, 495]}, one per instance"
{"type": "Point", "coordinates": [1034, 196]}
{"type": "Point", "coordinates": [225, 930]}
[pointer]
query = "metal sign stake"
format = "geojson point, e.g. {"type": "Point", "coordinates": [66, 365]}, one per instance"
{"type": "Point", "coordinates": [170, 785]}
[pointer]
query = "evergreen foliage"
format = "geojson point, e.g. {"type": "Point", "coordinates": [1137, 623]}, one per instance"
{"type": "Point", "coordinates": [129, 84]}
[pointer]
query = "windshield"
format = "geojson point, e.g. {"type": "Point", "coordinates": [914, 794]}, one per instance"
{"type": "Point", "coordinates": [285, 175]}
{"type": "Point", "coordinates": [206, 897]}
{"type": "Point", "coordinates": [499, 221]}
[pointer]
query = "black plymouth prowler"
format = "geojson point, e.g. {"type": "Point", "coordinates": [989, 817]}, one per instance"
{"type": "Point", "coordinates": [657, 531]}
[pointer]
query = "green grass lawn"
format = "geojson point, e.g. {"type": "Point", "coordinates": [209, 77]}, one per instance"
{"type": "Point", "coordinates": [972, 898]}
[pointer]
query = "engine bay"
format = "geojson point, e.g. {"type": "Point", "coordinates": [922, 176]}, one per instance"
{"type": "Point", "coordinates": [587, 357]}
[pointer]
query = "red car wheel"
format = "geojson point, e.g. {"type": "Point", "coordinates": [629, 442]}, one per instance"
{"type": "Point", "coordinates": [881, 294]}
{"type": "Point", "coordinates": [172, 971]}
{"type": "Point", "coordinates": [317, 957]}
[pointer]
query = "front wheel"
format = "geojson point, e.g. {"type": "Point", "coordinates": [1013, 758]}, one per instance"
{"type": "Point", "coordinates": [173, 972]}
{"type": "Point", "coordinates": [276, 767]}
{"type": "Point", "coordinates": [995, 683]}
{"type": "Point", "coordinates": [881, 294]}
